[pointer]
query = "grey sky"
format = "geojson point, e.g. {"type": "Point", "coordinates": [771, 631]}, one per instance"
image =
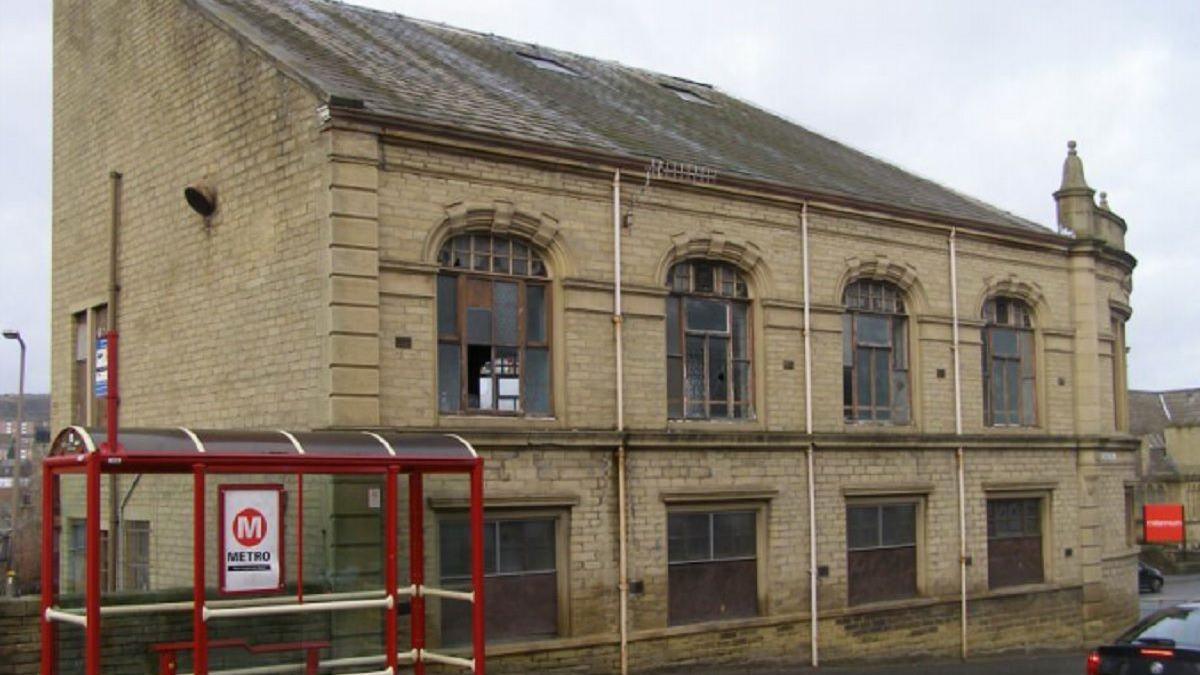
{"type": "Point", "coordinates": [978, 96]}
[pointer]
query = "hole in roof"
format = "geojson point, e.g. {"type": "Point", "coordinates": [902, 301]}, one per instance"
{"type": "Point", "coordinates": [685, 94]}
{"type": "Point", "coordinates": [547, 64]}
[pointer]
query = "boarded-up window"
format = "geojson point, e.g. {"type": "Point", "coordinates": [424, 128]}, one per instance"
{"type": "Point", "coordinates": [875, 354]}
{"type": "Point", "coordinates": [708, 342]}
{"type": "Point", "coordinates": [520, 589]}
{"type": "Point", "coordinates": [1009, 375]}
{"type": "Point", "coordinates": [493, 328]}
{"type": "Point", "coordinates": [881, 551]}
{"type": "Point", "coordinates": [1014, 529]}
{"type": "Point", "coordinates": [712, 565]}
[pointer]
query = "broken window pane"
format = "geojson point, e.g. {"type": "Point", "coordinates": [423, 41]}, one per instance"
{"type": "Point", "coordinates": [508, 381]}
{"type": "Point", "coordinates": [479, 377]}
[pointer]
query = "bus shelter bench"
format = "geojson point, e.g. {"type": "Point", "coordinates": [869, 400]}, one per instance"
{"type": "Point", "coordinates": [167, 659]}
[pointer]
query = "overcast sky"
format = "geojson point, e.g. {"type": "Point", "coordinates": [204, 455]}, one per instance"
{"type": "Point", "coordinates": [980, 96]}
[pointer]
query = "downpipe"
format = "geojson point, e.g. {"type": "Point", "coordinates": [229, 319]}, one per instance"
{"type": "Point", "coordinates": [808, 429]}
{"type": "Point", "coordinates": [622, 498]}
{"type": "Point", "coordinates": [960, 460]}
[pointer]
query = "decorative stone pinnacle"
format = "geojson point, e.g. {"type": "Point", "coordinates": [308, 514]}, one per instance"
{"type": "Point", "coordinates": [1073, 170]}
{"type": "Point", "coordinates": [1104, 201]}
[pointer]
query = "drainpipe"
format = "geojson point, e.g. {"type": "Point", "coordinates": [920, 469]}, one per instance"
{"type": "Point", "coordinates": [114, 396]}
{"type": "Point", "coordinates": [958, 454]}
{"type": "Point", "coordinates": [622, 525]}
{"type": "Point", "coordinates": [808, 429]}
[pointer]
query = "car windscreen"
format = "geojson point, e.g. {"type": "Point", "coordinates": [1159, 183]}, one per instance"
{"type": "Point", "coordinates": [1180, 625]}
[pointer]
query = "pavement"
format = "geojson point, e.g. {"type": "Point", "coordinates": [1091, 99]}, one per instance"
{"type": "Point", "coordinates": [1176, 589]}
{"type": "Point", "coordinates": [1058, 663]}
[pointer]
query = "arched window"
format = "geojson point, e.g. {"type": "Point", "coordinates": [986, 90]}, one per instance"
{"type": "Point", "coordinates": [493, 327]}
{"type": "Point", "coordinates": [708, 342]}
{"type": "Point", "coordinates": [1008, 365]}
{"type": "Point", "coordinates": [874, 353]}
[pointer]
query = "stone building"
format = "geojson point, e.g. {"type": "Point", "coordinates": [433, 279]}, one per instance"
{"type": "Point", "coordinates": [415, 228]}
{"type": "Point", "coordinates": [1168, 424]}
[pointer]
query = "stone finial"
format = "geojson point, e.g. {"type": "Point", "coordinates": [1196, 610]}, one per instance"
{"type": "Point", "coordinates": [1104, 201]}
{"type": "Point", "coordinates": [1073, 170]}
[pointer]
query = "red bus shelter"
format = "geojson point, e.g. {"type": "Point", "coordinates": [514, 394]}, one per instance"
{"type": "Point", "coordinates": [202, 454]}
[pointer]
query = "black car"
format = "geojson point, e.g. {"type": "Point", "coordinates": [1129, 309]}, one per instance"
{"type": "Point", "coordinates": [1149, 579]}
{"type": "Point", "coordinates": [1165, 643]}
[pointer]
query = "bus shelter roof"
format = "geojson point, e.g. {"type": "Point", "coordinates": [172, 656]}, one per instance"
{"type": "Point", "coordinates": [188, 446]}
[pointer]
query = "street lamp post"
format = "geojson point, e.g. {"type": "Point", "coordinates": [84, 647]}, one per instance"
{"type": "Point", "coordinates": [16, 461]}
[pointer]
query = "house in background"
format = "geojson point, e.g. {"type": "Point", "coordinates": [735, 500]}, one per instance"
{"type": "Point", "coordinates": [413, 226]}
{"type": "Point", "coordinates": [1168, 422]}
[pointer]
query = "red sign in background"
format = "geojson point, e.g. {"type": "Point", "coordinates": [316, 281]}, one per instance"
{"type": "Point", "coordinates": [1163, 523]}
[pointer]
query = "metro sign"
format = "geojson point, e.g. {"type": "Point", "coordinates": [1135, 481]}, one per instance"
{"type": "Point", "coordinates": [251, 538]}
{"type": "Point", "coordinates": [1164, 523]}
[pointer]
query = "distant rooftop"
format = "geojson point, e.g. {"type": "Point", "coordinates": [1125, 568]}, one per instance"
{"type": "Point", "coordinates": [415, 70]}
{"type": "Point", "coordinates": [1152, 411]}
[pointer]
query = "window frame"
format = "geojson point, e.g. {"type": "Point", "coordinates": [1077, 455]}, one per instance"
{"type": "Point", "coordinates": [918, 502]}
{"type": "Point", "coordinates": [852, 408]}
{"type": "Point", "coordinates": [1044, 502]}
{"type": "Point", "coordinates": [1120, 373]}
{"type": "Point", "coordinates": [463, 278]}
{"type": "Point", "coordinates": [1021, 332]}
{"type": "Point", "coordinates": [560, 514]}
{"type": "Point", "coordinates": [760, 509]}
{"type": "Point", "coordinates": [87, 409]}
{"type": "Point", "coordinates": [738, 296]}
{"type": "Point", "coordinates": [77, 557]}
{"type": "Point", "coordinates": [131, 530]}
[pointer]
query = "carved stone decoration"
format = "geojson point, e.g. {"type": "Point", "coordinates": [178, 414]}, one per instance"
{"type": "Point", "coordinates": [1012, 286]}
{"type": "Point", "coordinates": [716, 245]}
{"type": "Point", "coordinates": [880, 267]}
{"type": "Point", "coordinates": [502, 217]}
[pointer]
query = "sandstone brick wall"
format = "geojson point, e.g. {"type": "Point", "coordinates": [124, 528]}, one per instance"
{"type": "Point", "coordinates": [218, 323]}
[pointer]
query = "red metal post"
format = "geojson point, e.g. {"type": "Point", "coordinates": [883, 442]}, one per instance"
{"type": "Point", "coordinates": [299, 538]}
{"type": "Point", "coordinates": [92, 573]}
{"type": "Point", "coordinates": [199, 628]}
{"type": "Point", "coordinates": [389, 573]}
{"type": "Point", "coordinates": [49, 566]}
{"type": "Point", "coordinates": [416, 565]}
{"type": "Point", "coordinates": [477, 636]}
{"type": "Point", "coordinates": [113, 400]}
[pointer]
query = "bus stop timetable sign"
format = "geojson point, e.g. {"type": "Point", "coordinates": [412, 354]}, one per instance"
{"type": "Point", "coordinates": [251, 538]}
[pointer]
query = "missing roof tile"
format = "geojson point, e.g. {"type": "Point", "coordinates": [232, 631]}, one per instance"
{"type": "Point", "coordinates": [547, 64]}
{"type": "Point", "coordinates": [685, 93]}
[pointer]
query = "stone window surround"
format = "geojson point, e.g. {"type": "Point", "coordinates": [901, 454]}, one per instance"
{"type": "Point", "coordinates": [755, 499]}
{"type": "Point", "coordinates": [557, 507]}
{"type": "Point", "coordinates": [1040, 491]}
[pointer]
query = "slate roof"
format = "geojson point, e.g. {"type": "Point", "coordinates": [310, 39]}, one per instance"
{"type": "Point", "coordinates": [417, 70]}
{"type": "Point", "coordinates": [1152, 411]}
